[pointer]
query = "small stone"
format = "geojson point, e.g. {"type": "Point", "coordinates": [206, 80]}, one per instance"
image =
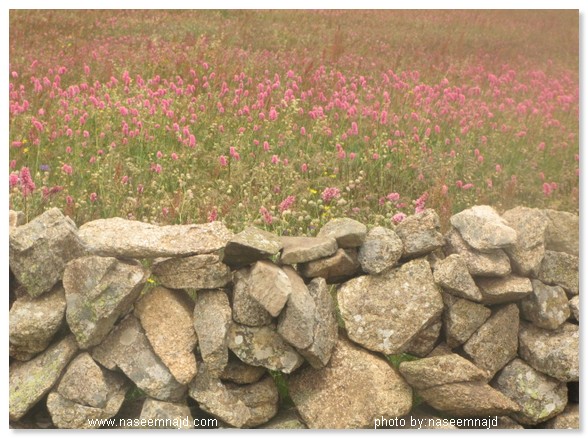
{"type": "Point", "coordinates": [563, 232]}
{"type": "Point", "coordinates": [319, 352]}
{"type": "Point", "coordinates": [440, 370]}
{"type": "Point", "coordinates": [574, 304]}
{"type": "Point", "coordinates": [263, 346]}
{"type": "Point", "coordinates": [440, 350]}
{"type": "Point", "coordinates": [212, 319]}
{"type": "Point", "coordinates": [251, 245]}
{"type": "Point", "coordinates": [246, 310]}
{"type": "Point", "coordinates": [420, 233]}
{"type": "Point", "coordinates": [98, 291]}
{"type": "Point", "coordinates": [482, 264]}
{"type": "Point", "coordinates": [335, 269]}
{"type": "Point", "coordinates": [261, 398]}
{"type": "Point", "coordinates": [453, 276]}
{"type": "Point", "coordinates": [528, 250]}
{"type": "Point", "coordinates": [553, 352]}
{"type": "Point", "coordinates": [505, 289]}
{"type": "Point", "coordinates": [425, 340]}
{"type": "Point", "coordinates": [483, 229]}
{"type": "Point", "coordinates": [15, 219]}
{"type": "Point", "coordinates": [470, 399]}
{"type": "Point", "coordinates": [30, 381]}
{"type": "Point", "coordinates": [385, 312]}
{"type": "Point", "coordinates": [539, 396]}
{"type": "Point", "coordinates": [40, 250]}
{"type": "Point", "coordinates": [198, 272]}
{"type": "Point", "coordinates": [560, 269]}
{"type": "Point", "coordinates": [461, 318]}
{"type": "Point", "coordinates": [495, 343]}
{"type": "Point", "coordinates": [380, 251]}
{"type": "Point", "coordinates": [166, 317]}
{"type": "Point", "coordinates": [568, 419]}
{"type": "Point", "coordinates": [297, 321]}
{"type": "Point", "coordinates": [241, 373]}
{"type": "Point", "coordinates": [166, 415]}
{"type": "Point", "coordinates": [34, 321]}
{"type": "Point", "coordinates": [117, 237]}
{"type": "Point", "coordinates": [354, 389]}
{"type": "Point", "coordinates": [306, 249]}
{"type": "Point", "coordinates": [269, 286]}
{"type": "Point", "coordinates": [349, 233]}
{"type": "Point", "coordinates": [547, 307]}
{"type": "Point", "coordinates": [128, 349]}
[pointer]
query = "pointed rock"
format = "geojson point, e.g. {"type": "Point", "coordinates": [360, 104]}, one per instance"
{"type": "Point", "coordinates": [483, 229]}
{"type": "Point", "coordinates": [539, 396]}
{"type": "Point", "coordinates": [528, 250]}
{"type": "Point", "coordinates": [251, 245]}
{"type": "Point", "coordinates": [424, 341]}
{"type": "Point", "coordinates": [40, 250]}
{"type": "Point", "coordinates": [212, 319]}
{"type": "Point", "coordinates": [269, 286]}
{"type": "Point", "coordinates": [166, 317]}
{"type": "Point", "coordinates": [453, 276]}
{"type": "Point", "coordinates": [349, 233]}
{"type": "Point", "coordinates": [351, 392]}
{"type": "Point", "coordinates": [440, 370]}
{"type": "Point", "coordinates": [461, 318]}
{"type": "Point", "coordinates": [420, 233]}
{"type": "Point", "coordinates": [194, 272]}
{"type": "Point", "coordinates": [246, 310]}
{"type": "Point", "coordinates": [339, 267]}
{"type": "Point", "coordinates": [560, 269]}
{"type": "Point", "coordinates": [262, 346]}
{"type": "Point", "coordinates": [547, 307]}
{"type": "Point", "coordinates": [380, 251]}
{"type": "Point", "coordinates": [385, 312]}
{"type": "Point", "coordinates": [563, 232]}
{"type": "Point", "coordinates": [505, 289]}
{"type": "Point", "coordinates": [306, 249]}
{"type": "Point", "coordinates": [495, 343]}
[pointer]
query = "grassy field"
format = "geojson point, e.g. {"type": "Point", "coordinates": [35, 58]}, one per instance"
{"type": "Point", "coordinates": [288, 119]}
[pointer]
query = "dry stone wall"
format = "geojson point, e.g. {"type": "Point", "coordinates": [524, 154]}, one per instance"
{"type": "Point", "coordinates": [355, 328]}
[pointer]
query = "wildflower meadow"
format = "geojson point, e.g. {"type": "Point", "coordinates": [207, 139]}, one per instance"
{"type": "Point", "coordinates": [286, 119]}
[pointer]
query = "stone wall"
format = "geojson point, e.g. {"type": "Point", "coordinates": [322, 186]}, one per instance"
{"type": "Point", "coordinates": [354, 328]}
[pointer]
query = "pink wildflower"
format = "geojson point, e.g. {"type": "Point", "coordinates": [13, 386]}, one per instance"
{"type": "Point", "coordinates": [266, 215]}
{"type": "Point", "coordinates": [66, 168]}
{"type": "Point", "coordinates": [398, 217]}
{"type": "Point", "coordinates": [392, 197]}
{"type": "Point", "coordinates": [93, 197]}
{"type": "Point", "coordinates": [420, 203]}
{"type": "Point", "coordinates": [304, 168]}
{"type": "Point", "coordinates": [223, 160]}
{"type": "Point", "coordinates": [287, 203]}
{"type": "Point", "coordinates": [330, 193]}
{"type": "Point", "coordinates": [212, 215]}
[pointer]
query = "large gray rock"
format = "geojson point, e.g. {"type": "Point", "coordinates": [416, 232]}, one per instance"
{"type": "Point", "coordinates": [505, 289]}
{"type": "Point", "coordinates": [483, 264]}
{"type": "Point", "coordinates": [553, 352]}
{"type": "Point", "coordinates": [568, 419]}
{"type": "Point", "coordinates": [335, 269]}
{"type": "Point", "coordinates": [461, 318]}
{"type": "Point", "coordinates": [269, 286]}
{"type": "Point", "coordinates": [166, 317]}
{"type": "Point", "coordinates": [560, 269]}
{"type": "Point", "coordinates": [348, 233]}
{"type": "Point", "coordinates": [380, 251]}
{"type": "Point", "coordinates": [483, 229]}
{"type": "Point", "coordinates": [239, 406]}
{"type": "Point", "coordinates": [539, 396]}
{"type": "Point", "coordinates": [351, 392]}
{"type": "Point", "coordinates": [128, 349]}
{"type": "Point", "coordinates": [204, 271]}
{"type": "Point", "coordinates": [385, 312]}
{"type": "Point", "coordinates": [34, 321]}
{"type": "Point", "coordinates": [306, 249]}
{"type": "Point", "coordinates": [241, 373]}
{"type": "Point", "coordinates": [297, 321]}
{"type": "Point", "coordinates": [528, 250]}
{"type": "Point", "coordinates": [547, 307]}
{"type": "Point", "coordinates": [39, 250]}
{"type": "Point", "coordinates": [440, 370]}
{"type": "Point", "coordinates": [98, 291]}
{"type": "Point", "coordinates": [212, 319]}
{"type": "Point", "coordinates": [30, 381]}
{"type": "Point", "coordinates": [263, 346]}
{"type": "Point", "coordinates": [495, 343]}
{"type": "Point", "coordinates": [251, 245]}
{"type": "Point", "coordinates": [420, 233]}
{"type": "Point", "coordinates": [84, 389]}
{"type": "Point", "coordinates": [117, 237]}
{"type": "Point", "coordinates": [166, 415]}
{"type": "Point", "coordinates": [424, 341]}
{"type": "Point", "coordinates": [324, 337]}
{"type": "Point", "coordinates": [246, 310]}
{"type": "Point", "coordinates": [563, 232]}
{"type": "Point", "coordinates": [470, 399]}
{"type": "Point", "coordinates": [453, 276]}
